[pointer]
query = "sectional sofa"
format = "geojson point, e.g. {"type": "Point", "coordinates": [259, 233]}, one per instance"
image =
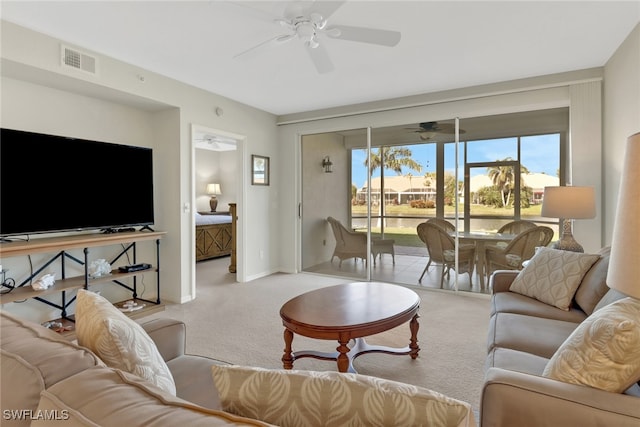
{"type": "Point", "coordinates": [47, 380]}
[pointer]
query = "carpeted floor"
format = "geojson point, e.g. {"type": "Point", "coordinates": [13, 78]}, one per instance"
{"type": "Point", "coordinates": [240, 323]}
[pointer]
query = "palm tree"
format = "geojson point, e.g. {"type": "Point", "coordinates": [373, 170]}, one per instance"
{"type": "Point", "coordinates": [503, 177]}
{"type": "Point", "coordinates": [410, 176]}
{"type": "Point", "coordinates": [394, 158]}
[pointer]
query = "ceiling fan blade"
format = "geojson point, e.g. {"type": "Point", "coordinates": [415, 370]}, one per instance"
{"type": "Point", "coordinates": [364, 35]}
{"type": "Point", "coordinates": [325, 8]}
{"type": "Point", "coordinates": [447, 128]}
{"type": "Point", "coordinates": [320, 59]}
{"type": "Point", "coordinates": [270, 42]}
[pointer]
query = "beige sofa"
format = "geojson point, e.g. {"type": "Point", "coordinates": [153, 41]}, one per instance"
{"type": "Point", "coordinates": [47, 380]}
{"type": "Point", "coordinates": [524, 334]}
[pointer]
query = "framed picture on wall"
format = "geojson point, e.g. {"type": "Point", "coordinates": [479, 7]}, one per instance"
{"type": "Point", "coordinates": [259, 170]}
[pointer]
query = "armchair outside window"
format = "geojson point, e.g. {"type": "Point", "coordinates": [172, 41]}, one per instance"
{"type": "Point", "coordinates": [351, 244]}
{"type": "Point", "coordinates": [447, 226]}
{"type": "Point", "coordinates": [516, 227]}
{"type": "Point", "coordinates": [520, 249]}
{"type": "Point", "coordinates": [442, 247]}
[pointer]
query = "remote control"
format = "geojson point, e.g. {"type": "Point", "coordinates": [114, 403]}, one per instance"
{"type": "Point", "coordinates": [134, 267]}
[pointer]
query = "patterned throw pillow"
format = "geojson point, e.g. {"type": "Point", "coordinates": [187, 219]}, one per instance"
{"type": "Point", "coordinates": [603, 351]}
{"type": "Point", "coordinates": [553, 276]}
{"type": "Point", "coordinates": [119, 341]}
{"type": "Point", "coordinates": [291, 398]}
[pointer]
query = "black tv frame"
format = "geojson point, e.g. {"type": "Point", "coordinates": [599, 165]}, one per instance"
{"type": "Point", "coordinates": [51, 183]}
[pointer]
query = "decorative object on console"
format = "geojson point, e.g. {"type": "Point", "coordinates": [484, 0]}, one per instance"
{"type": "Point", "coordinates": [568, 203]}
{"type": "Point", "coordinates": [624, 268]}
{"type": "Point", "coordinates": [214, 190]}
{"type": "Point", "coordinates": [45, 282]}
{"type": "Point", "coordinates": [99, 268]}
{"type": "Point", "coordinates": [327, 165]}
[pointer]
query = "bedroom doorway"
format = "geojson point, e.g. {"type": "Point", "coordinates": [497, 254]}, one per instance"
{"type": "Point", "coordinates": [217, 181]}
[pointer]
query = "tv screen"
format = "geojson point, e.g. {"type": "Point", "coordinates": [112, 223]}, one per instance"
{"type": "Point", "coordinates": [53, 183]}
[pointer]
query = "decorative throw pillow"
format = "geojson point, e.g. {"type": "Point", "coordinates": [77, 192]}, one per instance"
{"type": "Point", "coordinates": [553, 276]}
{"type": "Point", "coordinates": [603, 351]}
{"type": "Point", "coordinates": [119, 341]}
{"type": "Point", "coordinates": [291, 398]}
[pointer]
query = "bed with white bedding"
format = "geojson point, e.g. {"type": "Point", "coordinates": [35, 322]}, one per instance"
{"type": "Point", "coordinates": [213, 236]}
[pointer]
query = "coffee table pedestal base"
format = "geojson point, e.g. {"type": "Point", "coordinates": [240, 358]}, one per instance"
{"type": "Point", "coordinates": [344, 356]}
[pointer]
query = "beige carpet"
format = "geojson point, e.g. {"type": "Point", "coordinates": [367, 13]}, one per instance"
{"type": "Point", "coordinates": [240, 323]}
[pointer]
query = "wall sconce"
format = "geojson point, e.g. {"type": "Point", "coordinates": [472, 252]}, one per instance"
{"type": "Point", "coordinates": [214, 190]}
{"type": "Point", "coordinates": [327, 165]}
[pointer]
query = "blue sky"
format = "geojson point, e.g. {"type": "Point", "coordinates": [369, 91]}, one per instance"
{"type": "Point", "coordinates": [539, 154]}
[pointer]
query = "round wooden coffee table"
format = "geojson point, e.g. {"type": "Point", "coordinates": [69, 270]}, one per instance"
{"type": "Point", "coordinates": [350, 312]}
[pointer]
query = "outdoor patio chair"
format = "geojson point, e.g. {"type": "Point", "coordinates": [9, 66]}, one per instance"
{"type": "Point", "coordinates": [516, 227]}
{"type": "Point", "coordinates": [446, 225]}
{"type": "Point", "coordinates": [349, 244]}
{"type": "Point", "coordinates": [352, 244]}
{"type": "Point", "coordinates": [441, 247]}
{"type": "Point", "coordinates": [520, 249]}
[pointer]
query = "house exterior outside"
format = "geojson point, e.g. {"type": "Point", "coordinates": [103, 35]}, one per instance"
{"type": "Point", "coordinates": [402, 189]}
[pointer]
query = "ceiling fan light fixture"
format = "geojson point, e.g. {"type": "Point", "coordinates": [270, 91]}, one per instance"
{"type": "Point", "coordinates": [318, 21]}
{"type": "Point", "coordinates": [426, 136]}
{"type": "Point", "coordinates": [312, 43]}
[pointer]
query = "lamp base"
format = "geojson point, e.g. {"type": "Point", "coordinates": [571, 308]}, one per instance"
{"type": "Point", "coordinates": [567, 242]}
{"type": "Point", "coordinates": [213, 203]}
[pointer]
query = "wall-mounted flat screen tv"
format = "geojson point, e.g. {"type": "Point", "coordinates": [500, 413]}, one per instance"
{"type": "Point", "coordinates": [53, 183]}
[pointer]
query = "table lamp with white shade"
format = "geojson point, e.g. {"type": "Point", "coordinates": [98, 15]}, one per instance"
{"type": "Point", "coordinates": [624, 263]}
{"type": "Point", "coordinates": [213, 190]}
{"type": "Point", "coordinates": [568, 203]}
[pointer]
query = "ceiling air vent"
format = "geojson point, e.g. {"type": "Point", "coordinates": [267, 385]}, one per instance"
{"type": "Point", "coordinates": [80, 61]}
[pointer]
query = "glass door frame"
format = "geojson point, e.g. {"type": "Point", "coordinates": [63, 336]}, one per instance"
{"type": "Point", "coordinates": [515, 164]}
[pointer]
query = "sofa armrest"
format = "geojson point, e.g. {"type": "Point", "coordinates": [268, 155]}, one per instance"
{"type": "Point", "coordinates": [511, 398]}
{"type": "Point", "coordinates": [169, 335]}
{"type": "Point", "coordinates": [500, 280]}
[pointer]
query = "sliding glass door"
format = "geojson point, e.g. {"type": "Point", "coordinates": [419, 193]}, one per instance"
{"type": "Point", "coordinates": [333, 242]}
{"type": "Point", "coordinates": [379, 184]}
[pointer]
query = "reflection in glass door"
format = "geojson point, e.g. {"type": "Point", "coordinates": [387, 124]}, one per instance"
{"type": "Point", "coordinates": [492, 193]}
{"type": "Point", "coordinates": [331, 242]}
{"type": "Point", "coordinates": [360, 220]}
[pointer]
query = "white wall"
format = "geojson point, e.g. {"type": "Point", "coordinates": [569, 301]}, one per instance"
{"type": "Point", "coordinates": [621, 119]}
{"type": "Point", "coordinates": [38, 95]}
{"type": "Point", "coordinates": [219, 167]}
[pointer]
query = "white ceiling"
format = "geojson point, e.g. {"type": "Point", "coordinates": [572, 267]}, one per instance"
{"type": "Point", "coordinates": [444, 45]}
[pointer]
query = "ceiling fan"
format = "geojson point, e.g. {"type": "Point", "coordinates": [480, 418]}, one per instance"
{"type": "Point", "coordinates": [428, 130]}
{"type": "Point", "coordinates": [216, 143]}
{"type": "Point", "coordinates": [308, 22]}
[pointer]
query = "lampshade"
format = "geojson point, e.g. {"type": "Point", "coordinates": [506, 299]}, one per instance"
{"type": "Point", "coordinates": [624, 262]}
{"type": "Point", "coordinates": [213, 189]}
{"type": "Point", "coordinates": [569, 202]}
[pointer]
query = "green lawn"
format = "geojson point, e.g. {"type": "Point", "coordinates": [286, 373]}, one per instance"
{"type": "Point", "coordinates": [406, 210]}
{"type": "Point", "coordinates": [407, 236]}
